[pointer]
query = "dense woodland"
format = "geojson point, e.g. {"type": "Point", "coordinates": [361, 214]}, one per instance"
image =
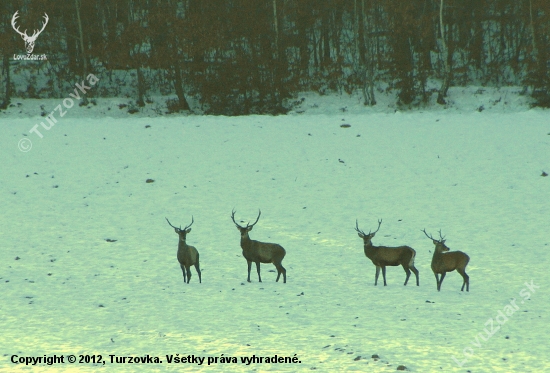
{"type": "Point", "coordinates": [252, 56]}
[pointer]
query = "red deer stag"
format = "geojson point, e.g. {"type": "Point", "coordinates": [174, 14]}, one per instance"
{"type": "Point", "coordinates": [260, 252]}
{"type": "Point", "coordinates": [187, 255]}
{"type": "Point", "coordinates": [383, 256]}
{"type": "Point", "coordinates": [445, 261]}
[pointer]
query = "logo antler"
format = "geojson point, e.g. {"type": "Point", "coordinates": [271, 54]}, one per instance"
{"type": "Point", "coordinates": [29, 40]}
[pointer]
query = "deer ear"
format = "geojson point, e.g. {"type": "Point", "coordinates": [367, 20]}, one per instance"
{"type": "Point", "coordinates": [249, 228]}
{"type": "Point", "coordinates": [435, 242]}
{"type": "Point", "coordinates": [360, 235]}
{"type": "Point", "coordinates": [188, 230]}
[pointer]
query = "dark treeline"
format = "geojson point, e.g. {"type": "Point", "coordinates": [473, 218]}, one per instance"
{"type": "Point", "coordinates": [249, 56]}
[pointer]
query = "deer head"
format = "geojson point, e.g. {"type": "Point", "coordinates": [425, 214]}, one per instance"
{"type": "Point", "coordinates": [366, 237]}
{"type": "Point", "coordinates": [439, 244]}
{"type": "Point", "coordinates": [248, 228]}
{"type": "Point", "coordinates": [29, 40]}
{"type": "Point", "coordinates": [182, 232]}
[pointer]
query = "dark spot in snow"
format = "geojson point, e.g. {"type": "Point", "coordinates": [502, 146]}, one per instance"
{"type": "Point", "coordinates": [149, 181]}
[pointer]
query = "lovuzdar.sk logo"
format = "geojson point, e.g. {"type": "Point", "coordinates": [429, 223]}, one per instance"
{"type": "Point", "coordinates": [29, 40]}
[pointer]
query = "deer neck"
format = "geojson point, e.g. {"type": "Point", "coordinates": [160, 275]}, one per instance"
{"type": "Point", "coordinates": [370, 249]}
{"type": "Point", "coordinates": [245, 241]}
{"type": "Point", "coordinates": [438, 253]}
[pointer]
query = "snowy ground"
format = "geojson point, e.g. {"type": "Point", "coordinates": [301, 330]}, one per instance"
{"type": "Point", "coordinates": [475, 175]}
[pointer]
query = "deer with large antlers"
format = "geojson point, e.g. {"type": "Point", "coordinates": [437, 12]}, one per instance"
{"type": "Point", "coordinates": [187, 255]}
{"type": "Point", "coordinates": [444, 261]}
{"type": "Point", "coordinates": [260, 252]}
{"type": "Point", "coordinates": [29, 40]}
{"type": "Point", "coordinates": [382, 256]}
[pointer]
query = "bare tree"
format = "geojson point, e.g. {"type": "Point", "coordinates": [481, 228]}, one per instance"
{"type": "Point", "coordinates": [78, 4]}
{"type": "Point", "coordinates": [446, 60]}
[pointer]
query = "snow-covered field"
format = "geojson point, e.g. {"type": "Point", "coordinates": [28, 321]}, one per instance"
{"type": "Point", "coordinates": [475, 175]}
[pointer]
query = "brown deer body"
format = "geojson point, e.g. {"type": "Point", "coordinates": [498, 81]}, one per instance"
{"type": "Point", "coordinates": [444, 261]}
{"type": "Point", "coordinates": [187, 255]}
{"type": "Point", "coordinates": [382, 256]}
{"type": "Point", "coordinates": [260, 252]}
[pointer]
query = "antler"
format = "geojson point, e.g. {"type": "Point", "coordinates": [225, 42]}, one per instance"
{"type": "Point", "coordinates": [248, 224]}
{"type": "Point", "coordinates": [258, 218]}
{"type": "Point", "coordinates": [433, 239]}
{"type": "Point", "coordinates": [36, 32]}
{"type": "Point", "coordinates": [172, 225]}
{"type": "Point", "coordinates": [233, 218]}
{"type": "Point", "coordinates": [357, 228]}
{"type": "Point", "coordinates": [15, 16]}
{"type": "Point", "coordinates": [192, 221]}
{"type": "Point", "coordinates": [184, 229]}
{"type": "Point", "coordinates": [379, 224]}
{"type": "Point", "coordinates": [363, 233]}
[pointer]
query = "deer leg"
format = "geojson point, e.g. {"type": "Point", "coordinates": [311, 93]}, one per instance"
{"type": "Point", "coordinates": [408, 272]}
{"type": "Point", "coordinates": [415, 271]}
{"type": "Point", "coordinates": [376, 276]}
{"type": "Point", "coordinates": [183, 270]}
{"type": "Point", "coordinates": [258, 270]}
{"type": "Point", "coordinates": [384, 275]}
{"type": "Point", "coordinates": [198, 268]}
{"type": "Point", "coordinates": [441, 280]}
{"type": "Point", "coordinates": [249, 267]}
{"type": "Point", "coordinates": [280, 269]}
{"type": "Point", "coordinates": [188, 270]}
{"type": "Point", "coordinates": [466, 279]}
{"type": "Point", "coordinates": [437, 280]}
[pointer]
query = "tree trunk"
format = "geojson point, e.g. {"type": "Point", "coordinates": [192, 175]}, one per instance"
{"type": "Point", "coordinates": [140, 87]}
{"type": "Point", "coordinates": [7, 81]}
{"type": "Point", "coordinates": [365, 72]}
{"type": "Point", "coordinates": [325, 35]}
{"type": "Point", "coordinates": [82, 49]}
{"type": "Point", "coordinates": [445, 55]}
{"type": "Point", "coordinates": [178, 85]}
{"type": "Point", "coordinates": [277, 80]}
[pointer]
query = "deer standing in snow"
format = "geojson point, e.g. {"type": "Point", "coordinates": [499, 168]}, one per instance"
{"type": "Point", "coordinates": [444, 261]}
{"type": "Point", "coordinates": [187, 255]}
{"type": "Point", "coordinates": [260, 252]}
{"type": "Point", "coordinates": [382, 256]}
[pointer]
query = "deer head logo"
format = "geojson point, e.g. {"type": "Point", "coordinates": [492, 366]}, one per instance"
{"type": "Point", "coordinates": [29, 40]}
